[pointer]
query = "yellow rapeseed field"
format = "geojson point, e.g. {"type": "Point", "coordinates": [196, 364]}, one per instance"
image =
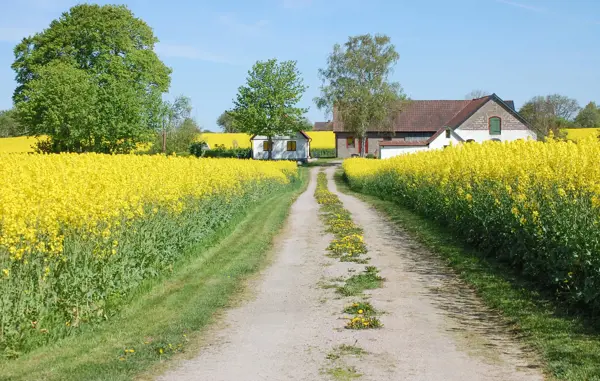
{"type": "Point", "coordinates": [78, 228]}
{"type": "Point", "coordinates": [534, 204]}
{"type": "Point", "coordinates": [320, 139]}
{"type": "Point", "coordinates": [215, 139]}
{"type": "Point", "coordinates": [21, 144]}
{"type": "Point", "coordinates": [42, 194]}
{"type": "Point", "coordinates": [582, 133]}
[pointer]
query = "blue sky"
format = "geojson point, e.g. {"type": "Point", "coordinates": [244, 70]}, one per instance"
{"type": "Point", "coordinates": [515, 48]}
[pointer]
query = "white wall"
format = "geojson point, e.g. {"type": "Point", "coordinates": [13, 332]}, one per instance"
{"type": "Point", "coordinates": [280, 151]}
{"type": "Point", "coordinates": [441, 141]}
{"type": "Point", "coordinates": [506, 135]}
{"type": "Point", "coordinates": [385, 152]}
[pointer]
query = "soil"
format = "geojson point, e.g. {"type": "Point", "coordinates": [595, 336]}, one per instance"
{"type": "Point", "coordinates": [435, 328]}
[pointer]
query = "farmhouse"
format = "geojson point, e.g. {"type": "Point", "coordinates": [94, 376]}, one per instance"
{"type": "Point", "coordinates": [295, 147]}
{"type": "Point", "coordinates": [431, 124]}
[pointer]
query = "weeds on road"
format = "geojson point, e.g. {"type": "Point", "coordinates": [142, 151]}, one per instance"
{"type": "Point", "coordinates": [345, 350]}
{"type": "Point", "coordinates": [340, 371]}
{"type": "Point", "coordinates": [356, 284]}
{"type": "Point", "coordinates": [360, 308]}
{"type": "Point", "coordinates": [361, 322]}
{"type": "Point", "coordinates": [348, 244]}
{"type": "Point", "coordinates": [343, 373]}
{"type": "Point", "coordinates": [363, 316]}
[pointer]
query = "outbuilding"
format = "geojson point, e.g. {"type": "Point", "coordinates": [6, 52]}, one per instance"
{"type": "Point", "coordinates": [295, 147]}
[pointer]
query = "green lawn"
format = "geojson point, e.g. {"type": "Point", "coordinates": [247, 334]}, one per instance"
{"type": "Point", "coordinates": [166, 318]}
{"type": "Point", "coordinates": [568, 344]}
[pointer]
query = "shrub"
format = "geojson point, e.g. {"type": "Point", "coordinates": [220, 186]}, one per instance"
{"type": "Point", "coordinates": [322, 152]}
{"type": "Point", "coordinates": [239, 153]}
{"type": "Point", "coordinates": [197, 148]}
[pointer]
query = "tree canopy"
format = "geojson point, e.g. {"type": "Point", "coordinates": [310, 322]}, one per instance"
{"type": "Point", "coordinates": [549, 113]}
{"type": "Point", "coordinates": [589, 116]}
{"type": "Point", "coordinates": [267, 104]}
{"type": "Point", "coordinates": [179, 139]}
{"type": "Point", "coordinates": [9, 126]}
{"type": "Point", "coordinates": [356, 83]}
{"type": "Point", "coordinates": [91, 81]}
{"type": "Point", "coordinates": [226, 122]}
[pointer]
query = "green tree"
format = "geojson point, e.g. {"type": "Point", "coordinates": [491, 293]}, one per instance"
{"type": "Point", "coordinates": [307, 125]}
{"type": "Point", "coordinates": [226, 122]}
{"type": "Point", "coordinates": [172, 116]}
{"type": "Point", "coordinates": [550, 113]}
{"type": "Point", "coordinates": [178, 140]}
{"type": "Point", "coordinates": [9, 126]}
{"type": "Point", "coordinates": [267, 104]}
{"type": "Point", "coordinates": [356, 84]}
{"type": "Point", "coordinates": [589, 116]}
{"type": "Point", "coordinates": [101, 59]}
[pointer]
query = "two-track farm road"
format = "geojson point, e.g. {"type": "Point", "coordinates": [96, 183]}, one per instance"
{"type": "Point", "coordinates": [434, 329]}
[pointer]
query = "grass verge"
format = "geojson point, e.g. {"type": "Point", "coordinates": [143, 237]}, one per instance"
{"type": "Point", "coordinates": [568, 345]}
{"type": "Point", "coordinates": [168, 316]}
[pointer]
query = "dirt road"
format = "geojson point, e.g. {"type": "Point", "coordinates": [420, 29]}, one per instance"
{"type": "Point", "coordinates": [292, 329]}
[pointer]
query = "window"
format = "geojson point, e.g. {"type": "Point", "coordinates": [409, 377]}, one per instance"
{"type": "Point", "coordinates": [267, 147]}
{"type": "Point", "coordinates": [448, 134]}
{"type": "Point", "coordinates": [495, 126]}
{"type": "Point", "coordinates": [291, 145]}
{"type": "Point", "coordinates": [387, 139]}
{"type": "Point", "coordinates": [350, 142]}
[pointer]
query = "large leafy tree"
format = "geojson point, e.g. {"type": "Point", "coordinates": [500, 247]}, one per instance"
{"type": "Point", "coordinates": [549, 113]}
{"type": "Point", "coordinates": [589, 116]}
{"type": "Point", "coordinates": [267, 104]}
{"type": "Point", "coordinates": [356, 83]}
{"type": "Point", "coordinates": [98, 66]}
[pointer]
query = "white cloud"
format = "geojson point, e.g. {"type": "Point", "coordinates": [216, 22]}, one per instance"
{"type": "Point", "coordinates": [229, 20]}
{"type": "Point", "coordinates": [521, 5]}
{"type": "Point", "coordinates": [295, 4]}
{"type": "Point", "coordinates": [189, 52]}
{"type": "Point", "coordinates": [14, 34]}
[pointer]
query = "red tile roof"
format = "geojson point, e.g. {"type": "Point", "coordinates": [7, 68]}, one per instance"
{"type": "Point", "coordinates": [430, 115]}
{"type": "Point", "coordinates": [323, 126]}
{"type": "Point", "coordinates": [466, 112]}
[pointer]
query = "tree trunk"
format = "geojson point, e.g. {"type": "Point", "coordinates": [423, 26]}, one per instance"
{"type": "Point", "coordinates": [164, 137]}
{"type": "Point", "coordinates": [363, 140]}
{"type": "Point", "coordinates": [363, 146]}
{"type": "Point", "coordinates": [270, 153]}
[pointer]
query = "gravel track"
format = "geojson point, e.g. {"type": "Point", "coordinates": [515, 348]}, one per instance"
{"type": "Point", "coordinates": [434, 327]}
